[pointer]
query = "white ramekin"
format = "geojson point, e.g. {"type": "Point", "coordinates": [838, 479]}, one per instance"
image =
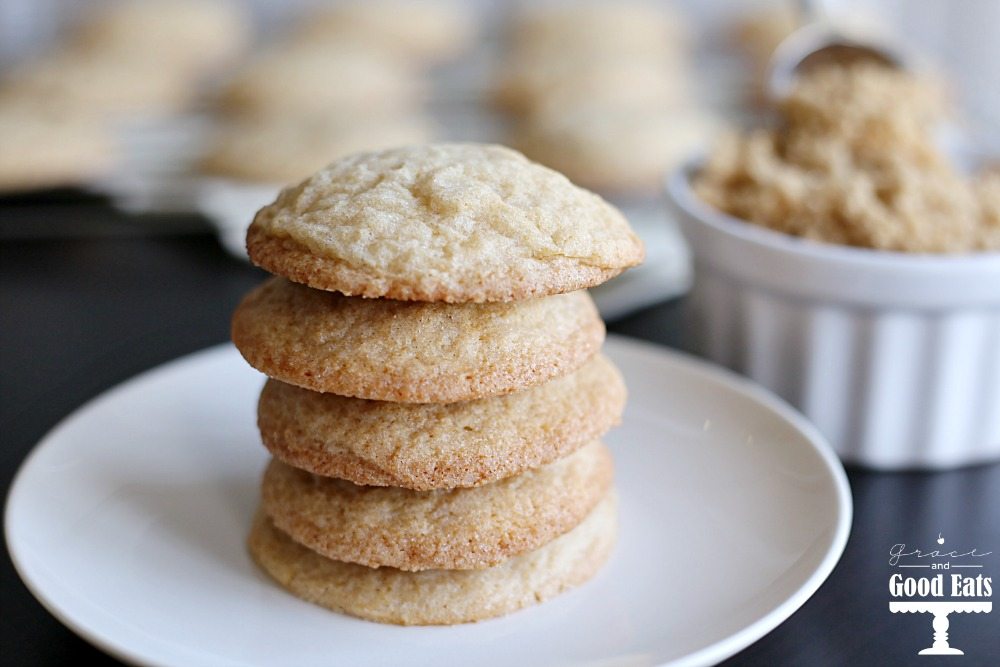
{"type": "Point", "coordinates": [895, 357]}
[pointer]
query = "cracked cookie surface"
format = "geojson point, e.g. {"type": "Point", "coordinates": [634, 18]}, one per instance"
{"type": "Point", "coordinates": [442, 222]}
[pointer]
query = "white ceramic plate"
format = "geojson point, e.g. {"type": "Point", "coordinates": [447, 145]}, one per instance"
{"type": "Point", "coordinates": [128, 522]}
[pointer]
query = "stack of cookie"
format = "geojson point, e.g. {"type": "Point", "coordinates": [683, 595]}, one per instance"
{"type": "Point", "coordinates": [436, 392]}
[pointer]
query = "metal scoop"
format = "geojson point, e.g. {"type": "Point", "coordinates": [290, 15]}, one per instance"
{"type": "Point", "coordinates": [819, 42]}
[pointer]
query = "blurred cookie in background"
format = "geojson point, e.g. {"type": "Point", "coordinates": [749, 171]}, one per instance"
{"type": "Point", "coordinates": [313, 78]}
{"type": "Point", "coordinates": [45, 146]}
{"type": "Point", "coordinates": [102, 84]}
{"type": "Point", "coordinates": [622, 82]}
{"type": "Point", "coordinates": [620, 28]}
{"type": "Point", "coordinates": [426, 32]}
{"type": "Point", "coordinates": [759, 32]}
{"type": "Point", "coordinates": [620, 152]}
{"type": "Point", "coordinates": [286, 149]}
{"type": "Point", "coordinates": [755, 35]}
{"type": "Point", "coordinates": [601, 92]}
{"type": "Point", "coordinates": [196, 36]}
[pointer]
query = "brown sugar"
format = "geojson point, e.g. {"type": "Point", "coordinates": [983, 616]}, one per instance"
{"type": "Point", "coordinates": [853, 161]}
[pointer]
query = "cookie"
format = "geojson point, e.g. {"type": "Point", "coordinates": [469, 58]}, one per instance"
{"type": "Point", "coordinates": [44, 146]}
{"type": "Point", "coordinates": [759, 32]}
{"type": "Point", "coordinates": [195, 35]}
{"type": "Point", "coordinates": [440, 445]}
{"type": "Point", "coordinates": [447, 529]}
{"type": "Point", "coordinates": [428, 31]}
{"type": "Point", "coordinates": [442, 222]}
{"type": "Point", "coordinates": [98, 83]}
{"type": "Point", "coordinates": [308, 78]}
{"type": "Point", "coordinates": [564, 81]}
{"type": "Point", "coordinates": [286, 149]}
{"type": "Point", "coordinates": [412, 352]}
{"type": "Point", "coordinates": [627, 152]}
{"type": "Point", "coordinates": [438, 597]}
{"type": "Point", "coordinates": [633, 28]}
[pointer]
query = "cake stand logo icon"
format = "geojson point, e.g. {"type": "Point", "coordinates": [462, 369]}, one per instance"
{"type": "Point", "coordinates": [966, 592]}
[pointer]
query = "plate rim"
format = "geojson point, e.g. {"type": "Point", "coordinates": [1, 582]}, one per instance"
{"type": "Point", "coordinates": [832, 465]}
{"type": "Point", "coordinates": [708, 655]}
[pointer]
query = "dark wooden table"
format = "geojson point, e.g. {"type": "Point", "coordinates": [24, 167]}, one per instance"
{"type": "Point", "coordinates": [81, 313]}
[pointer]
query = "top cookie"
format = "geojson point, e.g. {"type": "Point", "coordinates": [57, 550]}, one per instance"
{"type": "Point", "coordinates": [442, 222]}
